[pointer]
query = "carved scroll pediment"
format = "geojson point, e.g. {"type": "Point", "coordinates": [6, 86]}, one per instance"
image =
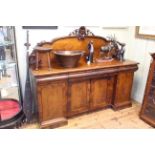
{"type": "Point", "coordinates": [81, 33]}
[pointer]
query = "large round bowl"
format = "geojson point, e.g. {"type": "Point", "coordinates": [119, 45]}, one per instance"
{"type": "Point", "coordinates": [68, 59]}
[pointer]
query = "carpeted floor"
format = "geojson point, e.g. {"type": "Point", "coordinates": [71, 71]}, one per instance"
{"type": "Point", "coordinates": [105, 119]}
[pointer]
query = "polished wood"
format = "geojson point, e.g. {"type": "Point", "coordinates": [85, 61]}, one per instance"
{"type": "Point", "coordinates": [100, 92]}
{"type": "Point", "coordinates": [78, 97]}
{"type": "Point", "coordinates": [71, 44]}
{"type": "Point", "coordinates": [123, 90]}
{"type": "Point", "coordinates": [43, 50]}
{"type": "Point", "coordinates": [61, 93]}
{"type": "Point", "coordinates": [104, 67]}
{"type": "Point", "coordinates": [147, 112]}
{"type": "Point", "coordinates": [50, 105]}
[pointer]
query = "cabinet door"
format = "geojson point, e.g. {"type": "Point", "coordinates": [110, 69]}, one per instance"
{"type": "Point", "coordinates": [101, 92]}
{"type": "Point", "coordinates": [78, 97]}
{"type": "Point", "coordinates": [52, 100]}
{"type": "Point", "coordinates": [123, 89]}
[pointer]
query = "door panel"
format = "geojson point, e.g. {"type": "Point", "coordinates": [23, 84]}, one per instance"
{"type": "Point", "coordinates": [100, 92]}
{"type": "Point", "coordinates": [123, 88]}
{"type": "Point", "coordinates": [52, 99]}
{"type": "Point", "coordinates": [78, 99]}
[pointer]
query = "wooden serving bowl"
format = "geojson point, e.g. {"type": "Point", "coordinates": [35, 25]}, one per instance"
{"type": "Point", "coordinates": [68, 59]}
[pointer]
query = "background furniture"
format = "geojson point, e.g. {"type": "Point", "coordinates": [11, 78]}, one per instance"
{"type": "Point", "coordinates": [11, 113]}
{"type": "Point", "coordinates": [65, 92]}
{"type": "Point", "coordinates": [148, 108]}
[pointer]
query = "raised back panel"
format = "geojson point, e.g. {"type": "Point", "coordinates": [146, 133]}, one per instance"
{"type": "Point", "coordinates": [72, 43]}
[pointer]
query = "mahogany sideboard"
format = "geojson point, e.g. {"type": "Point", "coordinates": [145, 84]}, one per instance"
{"type": "Point", "coordinates": [65, 93]}
{"type": "Point", "coordinates": [61, 93]}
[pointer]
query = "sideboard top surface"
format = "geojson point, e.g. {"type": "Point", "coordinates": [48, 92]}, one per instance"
{"type": "Point", "coordinates": [56, 69]}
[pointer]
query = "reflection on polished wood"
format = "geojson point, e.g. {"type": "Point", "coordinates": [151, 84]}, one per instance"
{"type": "Point", "coordinates": [56, 69]}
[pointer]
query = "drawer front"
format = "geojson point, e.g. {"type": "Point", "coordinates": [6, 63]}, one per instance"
{"type": "Point", "coordinates": [93, 74]}
{"type": "Point", "coordinates": [53, 78]}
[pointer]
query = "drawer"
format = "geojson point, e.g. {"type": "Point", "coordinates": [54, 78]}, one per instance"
{"type": "Point", "coordinates": [46, 79]}
{"type": "Point", "coordinates": [91, 75]}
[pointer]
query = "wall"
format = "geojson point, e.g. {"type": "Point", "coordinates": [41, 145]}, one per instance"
{"type": "Point", "coordinates": [139, 50]}
{"type": "Point", "coordinates": [136, 49]}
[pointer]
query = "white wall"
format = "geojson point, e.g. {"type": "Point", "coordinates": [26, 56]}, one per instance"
{"type": "Point", "coordinates": [35, 36]}
{"type": "Point", "coordinates": [139, 50]}
{"type": "Point", "coordinates": [136, 49]}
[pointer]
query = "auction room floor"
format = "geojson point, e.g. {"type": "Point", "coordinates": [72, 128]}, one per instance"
{"type": "Point", "coordinates": [105, 119]}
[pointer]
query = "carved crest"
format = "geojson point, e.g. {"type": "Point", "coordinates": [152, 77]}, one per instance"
{"type": "Point", "coordinates": [81, 33]}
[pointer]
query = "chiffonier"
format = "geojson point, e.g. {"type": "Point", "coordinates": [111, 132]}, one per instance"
{"type": "Point", "coordinates": [60, 93]}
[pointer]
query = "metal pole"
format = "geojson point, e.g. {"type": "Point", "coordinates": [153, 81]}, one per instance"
{"type": "Point", "coordinates": [28, 107]}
